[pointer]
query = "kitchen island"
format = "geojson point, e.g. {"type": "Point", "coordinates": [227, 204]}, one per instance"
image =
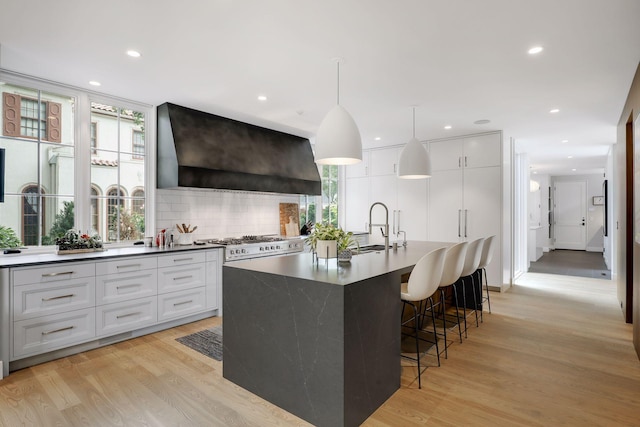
{"type": "Point", "coordinates": [320, 341]}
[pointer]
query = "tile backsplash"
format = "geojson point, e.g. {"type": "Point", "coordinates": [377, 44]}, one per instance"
{"type": "Point", "coordinates": [220, 213]}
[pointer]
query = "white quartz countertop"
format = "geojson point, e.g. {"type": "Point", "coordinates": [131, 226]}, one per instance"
{"type": "Point", "coordinates": [26, 259]}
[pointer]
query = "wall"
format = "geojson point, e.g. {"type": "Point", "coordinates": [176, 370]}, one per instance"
{"type": "Point", "coordinates": [220, 213]}
{"type": "Point", "coordinates": [595, 214]}
{"type": "Point", "coordinates": [630, 110]}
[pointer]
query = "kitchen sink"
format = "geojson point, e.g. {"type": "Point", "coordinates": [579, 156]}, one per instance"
{"type": "Point", "coordinates": [368, 248]}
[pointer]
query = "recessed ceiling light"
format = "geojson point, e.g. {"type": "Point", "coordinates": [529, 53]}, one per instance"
{"type": "Point", "coordinates": [95, 83]}
{"type": "Point", "coordinates": [535, 49]}
{"type": "Point", "coordinates": [377, 138]}
{"type": "Point", "coordinates": [447, 127]}
{"type": "Point", "coordinates": [554, 110]}
{"type": "Point", "coordinates": [569, 157]}
{"type": "Point", "coordinates": [481, 122]}
{"type": "Point", "coordinates": [564, 141]}
{"type": "Point", "coordinates": [535, 172]}
{"type": "Point", "coordinates": [133, 53]}
{"type": "Point", "coordinates": [573, 170]}
{"type": "Point", "coordinates": [262, 98]}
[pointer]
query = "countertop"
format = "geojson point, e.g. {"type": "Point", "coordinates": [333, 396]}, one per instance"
{"type": "Point", "coordinates": [361, 267]}
{"type": "Point", "coordinates": [25, 259]}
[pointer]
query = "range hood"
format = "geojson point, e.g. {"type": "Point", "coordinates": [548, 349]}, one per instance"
{"type": "Point", "coordinates": [198, 149]}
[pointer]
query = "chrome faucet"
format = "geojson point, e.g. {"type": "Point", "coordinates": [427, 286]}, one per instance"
{"type": "Point", "coordinates": [404, 235]}
{"type": "Point", "coordinates": [385, 231]}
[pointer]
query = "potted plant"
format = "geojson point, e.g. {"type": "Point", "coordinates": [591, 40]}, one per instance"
{"type": "Point", "coordinates": [75, 241]}
{"type": "Point", "coordinates": [329, 241]}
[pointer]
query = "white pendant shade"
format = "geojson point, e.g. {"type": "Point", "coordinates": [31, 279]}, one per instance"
{"type": "Point", "coordinates": [414, 161]}
{"type": "Point", "coordinates": [338, 139]}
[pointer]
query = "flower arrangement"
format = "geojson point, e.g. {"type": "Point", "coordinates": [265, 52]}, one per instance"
{"type": "Point", "coordinates": [74, 240]}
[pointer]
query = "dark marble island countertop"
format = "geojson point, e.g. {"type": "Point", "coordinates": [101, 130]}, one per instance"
{"type": "Point", "coordinates": [320, 341]}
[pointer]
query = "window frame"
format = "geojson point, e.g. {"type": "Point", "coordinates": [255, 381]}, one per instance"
{"type": "Point", "coordinates": [82, 150]}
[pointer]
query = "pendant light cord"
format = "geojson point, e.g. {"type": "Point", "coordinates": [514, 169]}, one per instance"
{"type": "Point", "coordinates": [414, 122]}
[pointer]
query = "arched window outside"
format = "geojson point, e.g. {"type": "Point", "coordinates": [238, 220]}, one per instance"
{"type": "Point", "coordinates": [31, 208]}
{"type": "Point", "coordinates": [115, 202]}
{"type": "Point", "coordinates": [95, 211]}
{"type": "Point", "coordinates": [137, 202]}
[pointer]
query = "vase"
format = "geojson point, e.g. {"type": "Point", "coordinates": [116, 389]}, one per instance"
{"type": "Point", "coordinates": [345, 255]}
{"type": "Point", "coordinates": [327, 248]}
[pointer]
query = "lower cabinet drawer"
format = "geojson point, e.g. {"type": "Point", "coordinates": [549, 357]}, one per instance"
{"type": "Point", "coordinates": [126, 286]}
{"type": "Point", "coordinates": [46, 333]}
{"type": "Point", "coordinates": [172, 279]}
{"type": "Point", "coordinates": [182, 303]}
{"type": "Point", "coordinates": [37, 300]}
{"type": "Point", "coordinates": [126, 316]}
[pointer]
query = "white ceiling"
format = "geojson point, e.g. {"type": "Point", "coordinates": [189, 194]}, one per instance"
{"type": "Point", "coordinates": [458, 61]}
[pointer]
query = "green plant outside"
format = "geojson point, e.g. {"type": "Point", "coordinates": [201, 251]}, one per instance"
{"type": "Point", "coordinates": [8, 238]}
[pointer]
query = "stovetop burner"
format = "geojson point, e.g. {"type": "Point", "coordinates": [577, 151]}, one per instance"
{"type": "Point", "coordinates": [237, 248]}
{"type": "Point", "coordinates": [245, 240]}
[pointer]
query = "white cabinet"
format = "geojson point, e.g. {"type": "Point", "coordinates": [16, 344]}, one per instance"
{"type": "Point", "coordinates": [406, 200]}
{"type": "Point", "coordinates": [465, 193]}
{"type": "Point", "coordinates": [360, 169]}
{"type": "Point", "coordinates": [56, 306]}
{"type": "Point", "coordinates": [469, 152]}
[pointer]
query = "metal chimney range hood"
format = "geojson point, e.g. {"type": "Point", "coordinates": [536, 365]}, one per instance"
{"type": "Point", "coordinates": [198, 149]}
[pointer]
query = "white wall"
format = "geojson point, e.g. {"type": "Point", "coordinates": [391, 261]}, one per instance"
{"type": "Point", "coordinates": [220, 213]}
{"type": "Point", "coordinates": [595, 214]}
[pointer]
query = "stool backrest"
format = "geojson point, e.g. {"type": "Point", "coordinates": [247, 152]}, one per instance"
{"type": "Point", "coordinates": [487, 251]}
{"type": "Point", "coordinates": [472, 258]}
{"type": "Point", "coordinates": [453, 263]}
{"type": "Point", "coordinates": [425, 276]}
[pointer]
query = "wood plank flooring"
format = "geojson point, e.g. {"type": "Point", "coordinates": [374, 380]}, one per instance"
{"type": "Point", "coordinates": [555, 351]}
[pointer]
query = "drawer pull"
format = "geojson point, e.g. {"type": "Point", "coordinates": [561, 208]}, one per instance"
{"type": "Point", "coordinates": [182, 259]}
{"type": "Point", "coordinates": [183, 302]}
{"type": "Point", "coordinates": [127, 315]}
{"type": "Point", "coordinates": [133, 285]}
{"type": "Point", "coordinates": [57, 330]}
{"type": "Point", "coordinates": [58, 297]}
{"type": "Point", "coordinates": [57, 274]}
{"type": "Point", "coordinates": [128, 266]}
{"type": "Point", "coordinates": [183, 277]}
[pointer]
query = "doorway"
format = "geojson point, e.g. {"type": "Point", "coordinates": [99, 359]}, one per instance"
{"type": "Point", "coordinates": [570, 215]}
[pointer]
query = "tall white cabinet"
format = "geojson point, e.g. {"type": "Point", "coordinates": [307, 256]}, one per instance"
{"type": "Point", "coordinates": [376, 180]}
{"type": "Point", "coordinates": [465, 192]}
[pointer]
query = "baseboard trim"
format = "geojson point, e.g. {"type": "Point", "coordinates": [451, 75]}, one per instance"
{"type": "Point", "coordinates": [595, 249]}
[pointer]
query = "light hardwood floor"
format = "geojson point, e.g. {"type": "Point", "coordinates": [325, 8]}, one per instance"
{"type": "Point", "coordinates": [554, 352]}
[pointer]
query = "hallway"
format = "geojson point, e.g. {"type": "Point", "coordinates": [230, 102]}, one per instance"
{"type": "Point", "coordinates": [572, 263]}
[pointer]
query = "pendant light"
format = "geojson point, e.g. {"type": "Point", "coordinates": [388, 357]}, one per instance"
{"type": "Point", "coordinates": [338, 139]}
{"type": "Point", "coordinates": [414, 159]}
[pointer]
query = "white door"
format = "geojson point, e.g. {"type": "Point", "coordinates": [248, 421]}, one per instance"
{"type": "Point", "coordinates": [445, 206]}
{"type": "Point", "coordinates": [357, 204]}
{"type": "Point", "coordinates": [569, 211]}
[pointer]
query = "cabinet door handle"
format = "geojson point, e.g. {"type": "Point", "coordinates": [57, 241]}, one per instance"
{"type": "Point", "coordinates": [466, 213]}
{"type": "Point", "coordinates": [399, 228]}
{"type": "Point", "coordinates": [57, 274]}
{"type": "Point", "coordinates": [465, 161]}
{"type": "Point", "coordinates": [58, 297]}
{"type": "Point", "coordinates": [182, 259]}
{"type": "Point", "coordinates": [366, 170]}
{"type": "Point", "coordinates": [183, 302]}
{"type": "Point", "coordinates": [459, 223]}
{"type": "Point", "coordinates": [133, 285]}
{"type": "Point", "coordinates": [393, 218]}
{"type": "Point", "coordinates": [459, 162]}
{"type": "Point", "coordinates": [57, 330]}
{"type": "Point", "coordinates": [128, 266]}
{"type": "Point", "coordinates": [128, 315]}
{"type": "Point", "coordinates": [183, 277]}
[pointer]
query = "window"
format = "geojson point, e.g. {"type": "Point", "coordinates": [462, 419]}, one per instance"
{"type": "Point", "coordinates": [115, 203]}
{"type": "Point", "coordinates": [30, 216]}
{"type": "Point", "coordinates": [95, 212]}
{"type": "Point", "coordinates": [138, 144]}
{"type": "Point", "coordinates": [31, 117]}
{"type": "Point", "coordinates": [330, 194]}
{"type": "Point", "coordinates": [39, 123]}
{"type": "Point", "coordinates": [94, 138]}
{"type": "Point", "coordinates": [119, 163]}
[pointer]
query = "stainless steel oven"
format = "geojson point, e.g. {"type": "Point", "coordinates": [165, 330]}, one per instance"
{"type": "Point", "coordinates": [247, 247]}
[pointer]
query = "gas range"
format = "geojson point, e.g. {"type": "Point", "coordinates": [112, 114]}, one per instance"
{"type": "Point", "coordinates": [246, 247]}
